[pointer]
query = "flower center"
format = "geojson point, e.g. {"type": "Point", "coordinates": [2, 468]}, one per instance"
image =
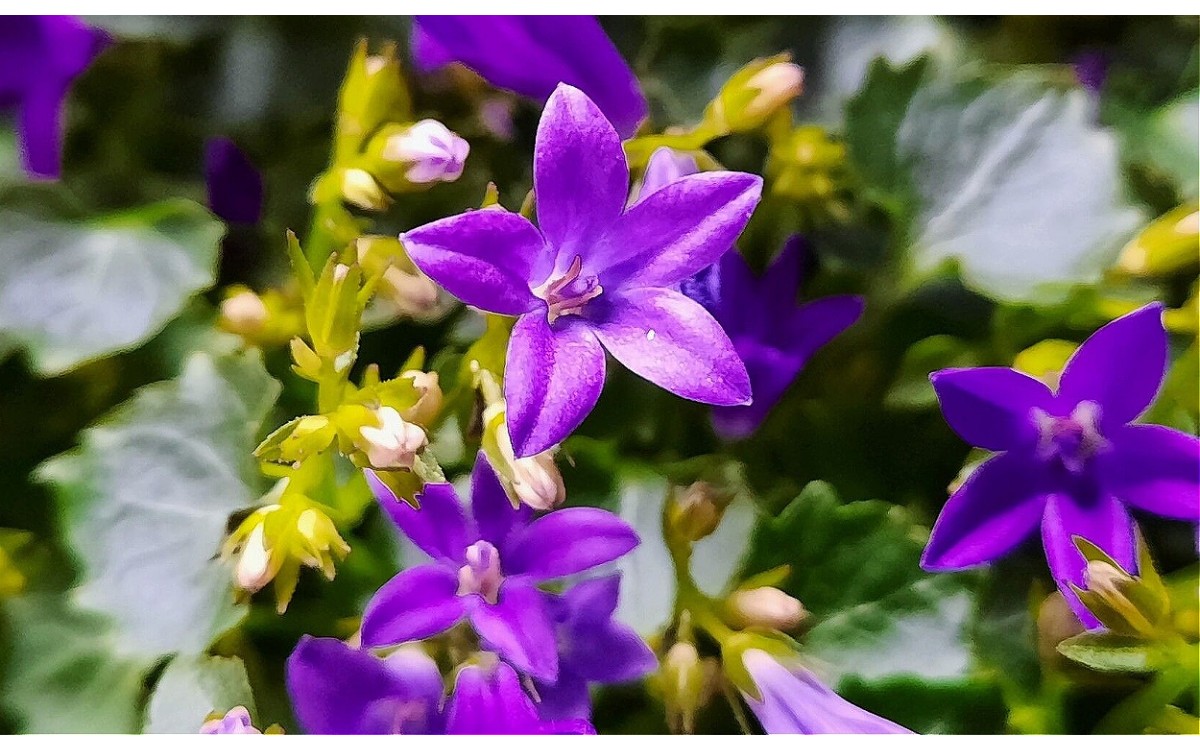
{"type": "Point", "coordinates": [481, 575]}
{"type": "Point", "coordinates": [568, 293]}
{"type": "Point", "coordinates": [1073, 439]}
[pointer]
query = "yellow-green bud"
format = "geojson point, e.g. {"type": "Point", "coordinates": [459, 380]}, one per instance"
{"type": "Point", "coordinates": [394, 444]}
{"type": "Point", "coordinates": [682, 679]}
{"type": "Point", "coordinates": [753, 94]}
{"type": "Point", "coordinates": [361, 189]}
{"type": "Point", "coordinates": [1168, 245]}
{"type": "Point", "coordinates": [429, 402]}
{"type": "Point", "coordinates": [695, 512]}
{"type": "Point", "coordinates": [764, 607]}
{"type": "Point", "coordinates": [372, 94]}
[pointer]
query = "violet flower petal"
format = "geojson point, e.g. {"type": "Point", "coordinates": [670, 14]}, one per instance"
{"type": "Point", "coordinates": [1100, 519]}
{"type": "Point", "coordinates": [674, 343]}
{"type": "Point", "coordinates": [991, 406]}
{"type": "Point", "coordinates": [493, 511]}
{"type": "Point", "coordinates": [568, 541]}
{"type": "Point", "coordinates": [771, 372]}
{"type": "Point", "coordinates": [1156, 469]}
{"type": "Point", "coordinates": [531, 55]}
{"type": "Point", "coordinates": [677, 231]}
{"type": "Point", "coordinates": [553, 378]}
{"type": "Point", "coordinates": [998, 506]}
{"type": "Point", "coordinates": [235, 187]}
{"type": "Point", "coordinates": [1120, 367]}
{"type": "Point", "coordinates": [415, 604]}
{"type": "Point", "coordinates": [793, 701]}
{"type": "Point", "coordinates": [781, 283]}
{"type": "Point", "coordinates": [336, 689]}
{"type": "Point", "coordinates": [484, 257]}
{"type": "Point", "coordinates": [518, 628]}
{"type": "Point", "coordinates": [440, 528]}
{"type": "Point", "coordinates": [567, 698]}
{"type": "Point", "coordinates": [665, 166]}
{"type": "Point", "coordinates": [580, 176]}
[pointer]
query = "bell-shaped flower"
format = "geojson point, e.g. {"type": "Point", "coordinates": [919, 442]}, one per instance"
{"type": "Point", "coordinates": [594, 276]}
{"type": "Point", "coordinates": [592, 647]}
{"type": "Point", "coordinates": [485, 569]}
{"type": "Point", "coordinates": [792, 700]}
{"type": "Point", "coordinates": [1069, 461]}
{"type": "Point", "coordinates": [531, 55]}
{"type": "Point", "coordinates": [40, 56]}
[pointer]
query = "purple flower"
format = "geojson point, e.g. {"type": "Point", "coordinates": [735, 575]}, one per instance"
{"type": "Point", "coordinates": [486, 568]}
{"type": "Point", "coordinates": [336, 689]}
{"type": "Point", "coordinates": [40, 56]}
{"type": "Point", "coordinates": [793, 701]}
{"type": "Point", "coordinates": [592, 647]}
{"type": "Point", "coordinates": [1068, 460]}
{"type": "Point", "coordinates": [773, 335]}
{"type": "Point", "coordinates": [531, 55]}
{"type": "Point", "coordinates": [593, 276]}
{"type": "Point", "coordinates": [235, 187]}
{"type": "Point", "coordinates": [235, 721]}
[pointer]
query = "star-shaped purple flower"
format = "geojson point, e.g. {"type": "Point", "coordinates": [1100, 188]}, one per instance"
{"type": "Point", "coordinates": [531, 55]}
{"type": "Point", "coordinates": [593, 276]}
{"type": "Point", "coordinates": [336, 689]}
{"type": "Point", "coordinates": [40, 56]}
{"type": "Point", "coordinates": [235, 187]}
{"type": "Point", "coordinates": [773, 334]}
{"type": "Point", "coordinates": [1069, 461]}
{"type": "Point", "coordinates": [592, 647]}
{"type": "Point", "coordinates": [793, 701]}
{"type": "Point", "coordinates": [486, 568]}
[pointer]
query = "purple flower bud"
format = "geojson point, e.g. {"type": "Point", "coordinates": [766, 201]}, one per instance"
{"type": "Point", "coordinates": [433, 152]}
{"type": "Point", "coordinates": [235, 188]}
{"type": "Point", "coordinates": [235, 721]}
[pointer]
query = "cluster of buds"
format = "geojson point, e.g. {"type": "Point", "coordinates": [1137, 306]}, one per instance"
{"type": "Point", "coordinates": [275, 541]}
{"type": "Point", "coordinates": [379, 151]}
{"type": "Point", "coordinates": [809, 166]}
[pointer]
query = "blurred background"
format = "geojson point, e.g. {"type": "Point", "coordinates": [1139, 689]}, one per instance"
{"type": "Point", "coordinates": [949, 281]}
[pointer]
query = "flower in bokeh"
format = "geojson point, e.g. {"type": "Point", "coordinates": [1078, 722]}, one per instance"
{"type": "Point", "coordinates": [1069, 460]}
{"type": "Point", "coordinates": [793, 701]}
{"type": "Point", "coordinates": [235, 187]}
{"type": "Point", "coordinates": [531, 55]}
{"type": "Point", "coordinates": [486, 567]}
{"type": "Point", "coordinates": [773, 335]}
{"type": "Point", "coordinates": [592, 647]}
{"type": "Point", "coordinates": [40, 56]}
{"type": "Point", "coordinates": [593, 276]}
{"type": "Point", "coordinates": [336, 689]}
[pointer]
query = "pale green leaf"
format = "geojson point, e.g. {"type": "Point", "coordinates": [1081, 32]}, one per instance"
{"type": "Point", "coordinates": [191, 688]}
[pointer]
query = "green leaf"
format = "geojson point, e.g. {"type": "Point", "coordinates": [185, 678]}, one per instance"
{"type": "Point", "coordinates": [856, 568]}
{"type": "Point", "coordinates": [145, 500]}
{"type": "Point", "coordinates": [872, 119]}
{"type": "Point", "coordinates": [1109, 652]}
{"type": "Point", "coordinates": [1168, 142]}
{"type": "Point", "coordinates": [73, 290]}
{"type": "Point", "coordinates": [1029, 199]}
{"type": "Point", "coordinates": [63, 673]}
{"type": "Point", "coordinates": [912, 388]}
{"type": "Point", "coordinates": [191, 688]}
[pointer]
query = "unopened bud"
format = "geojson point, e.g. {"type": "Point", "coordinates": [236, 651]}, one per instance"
{"type": "Point", "coordinates": [235, 721]}
{"type": "Point", "coordinates": [361, 189]}
{"type": "Point", "coordinates": [429, 402]}
{"type": "Point", "coordinates": [777, 84]}
{"type": "Point", "coordinates": [1055, 623]}
{"type": "Point", "coordinates": [395, 443]}
{"type": "Point", "coordinates": [428, 151]}
{"type": "Point", "coordinates": [682, 680]}
{"type": "Point", "coordinates": [253, 569]}
{"type": "Point", "coordinates": [538, 482]}
{"type": "Point", "coordinates": [412, 294]}
{"type": "Point", "coordinates": [1106, 580]}
{"type": "Point", "coordinates": [244, 313]}
{"type": "Point", "coordinates": [696, 512]}
{"type": "Point", "coordinates": [764, 607]}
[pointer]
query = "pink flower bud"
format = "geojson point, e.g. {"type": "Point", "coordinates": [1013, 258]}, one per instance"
{"type": "Point", "coordinates": [433, 152]}
{"type": "Point", "coordinates": [765, 607]}
{"type": "Point", "coordinates": [395, 443]}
